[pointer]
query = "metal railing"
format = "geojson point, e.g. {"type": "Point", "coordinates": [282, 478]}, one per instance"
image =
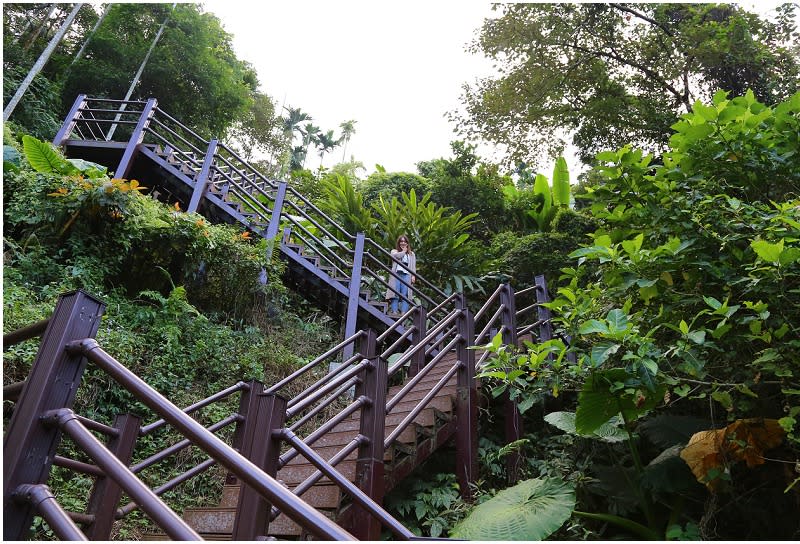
{"type": "Point", "coordinates": [416, 343]}
{"type": "Point", "coordinates": [43, 413]}
{"type": "Point", "coordinates": [215, 172]}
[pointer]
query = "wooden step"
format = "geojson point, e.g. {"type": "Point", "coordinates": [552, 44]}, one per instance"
{"type": "Point", "coordinates": [418, 393]}
{"type": "Point", "coordinates": [284, 526]}
{"type": "Point", "coordinates": [294, 474]}
{"type": "Point", "coordinates": [443, 404]}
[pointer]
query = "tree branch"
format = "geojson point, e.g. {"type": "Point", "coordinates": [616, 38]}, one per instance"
{"type": "Point", "coordinates": [643, 17]}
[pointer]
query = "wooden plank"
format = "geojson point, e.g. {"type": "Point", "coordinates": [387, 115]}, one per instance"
{"type": "Point", "coordinates": [294, 474]}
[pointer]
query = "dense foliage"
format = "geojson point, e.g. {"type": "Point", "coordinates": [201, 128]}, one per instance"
{"type": "Point", "coordinates": [609, 74]}
{"type": "Point", "coordinates": [674, 260]}
{"type": "Point", "coordinates": [184, 308]}
{"type": "Point", "coordinates": [683, 313]}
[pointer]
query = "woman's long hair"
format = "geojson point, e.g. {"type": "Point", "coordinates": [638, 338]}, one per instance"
{"type": "Point", "coordinates": [403, 238]}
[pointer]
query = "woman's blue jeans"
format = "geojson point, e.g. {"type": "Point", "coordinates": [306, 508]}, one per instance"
{"type": "Point", "coordinates": [402, 290]}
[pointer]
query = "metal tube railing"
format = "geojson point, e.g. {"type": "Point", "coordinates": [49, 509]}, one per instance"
{"type": "Point", "coordinates": [308, 366]}
{"type": "Point", "coordinates": [333, 384]}
{"type": "Point", "coordinates": [315, 387]}
{"type": "Point", "coordinates": [421, 374]}
{"type": "Point", "coordinates": [77, 466]}
{"type": "Point", "coordinates": [421, 406]}
{"type": "Point", "coordinates": [321, 406]}
{"type": "Point", "coordinates": [245, 470]}
{"type": "Point", "coordinates": [400, 339]}
{"type": "Point", "coordinates": [175, 482]}
{"type": "Point", "coordinates": [491, 322]}
{"type": "Point", "coordinates": [355, 493]}
{"type": "Point", "coordinates": [428, 338]}
{"type": "Point", "coordinates": [488, 302]}
{"type": "Point", "coordinates": [178, 446]}
{"type": "Point", "coordinates": [160, 513]}
{"type": "Point", "coordinates": [239, 386]}
{"type": "Point", "coordinates": [25, 333]}
{"type": "Point", "coordinates": [323, 429]}
{"type": "Point", "coordinates": [309, 482]}
{"type": "Point", "coordinates": [43, 500]}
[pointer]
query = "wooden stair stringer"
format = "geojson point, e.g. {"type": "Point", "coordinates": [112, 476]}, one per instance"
{"type": "Point", "coordinates": [432, 427]}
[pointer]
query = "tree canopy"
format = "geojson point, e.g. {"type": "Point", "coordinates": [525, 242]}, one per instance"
{"type": "Point", "coordinates": [614, 74]}
{"type": "Point", "coordinates": [193, 70]}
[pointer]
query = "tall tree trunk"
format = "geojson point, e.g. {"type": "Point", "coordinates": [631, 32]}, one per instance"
{"type": "Point", "coordinates": [138, 75]}
{"type": "Point", "coordinates": [40, 62]}
{"type": "Point", "coordinates": [79, 54]}
{"type": "Point", "coordinates": [45, 23]}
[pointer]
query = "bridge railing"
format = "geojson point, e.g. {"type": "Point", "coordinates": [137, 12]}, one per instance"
{"type": "Point", "coordinates": [266, 206]}
{"type": "Point", "coordinates": [43, 413]}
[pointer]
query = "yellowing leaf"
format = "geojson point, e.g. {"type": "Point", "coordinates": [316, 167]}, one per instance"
{"type": "Point", "coordinates": [746, 440]}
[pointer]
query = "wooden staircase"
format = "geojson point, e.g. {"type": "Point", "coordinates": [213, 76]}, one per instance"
{"type": "Point", "coordinates": [432, 427]}
{"type": "Point", "coordinates": [340, 273]}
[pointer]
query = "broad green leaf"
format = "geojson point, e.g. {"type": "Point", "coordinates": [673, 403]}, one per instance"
{"type": "Point", "coordinates": [604, 240]}
{"type": "Point", "coordinates": [617, 320]}
{"type": "Point", "coordinates": [723, 397]}
{"type": "Point", "coordinates": [631, 247]}
{"type": "Point", "coordinates": [648, 293]}
{"type": "Point", "coordinates": [593, 326]}
{"type": "Point", "coordinates": [610, 431]}
{"type": "Point", "coordinates": [90, 169]}
{"type": "Point", "coordinates": [684, 327]}
{"type": "Point", "coordinates": [601, 352]}
{"type": "Point", "coordinates": [531, 510]}
{"type": "Point", "coordinates": [604, 396]}
{"type": "Point", "coordinates": [698, 337]}
{"type": "Point", "coordinates": [561, 187]}
{"type": "Point", "coordinates": [11, 158]}
{"type": "Point", "coordinates": [542, 187]}
{"type": "Point", "coordinates": [742, 388]}
{"type": "Point", "coordinates": [709, 113]}
{"type": "Point", "coordinates": [767, 251]}
{"type": "Point", "coordinates": [497, 340]}
{"type": "Point", "coordinates": [789, 255]}
{"type": "Point", "coordinates": [43, 158]}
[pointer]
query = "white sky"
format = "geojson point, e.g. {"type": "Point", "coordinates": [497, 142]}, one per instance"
{"type": "Point", "coordinates": [393, 67]}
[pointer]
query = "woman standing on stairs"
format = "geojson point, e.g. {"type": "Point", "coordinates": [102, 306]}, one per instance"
{"type": "Point", "coordinates": [404, 268]}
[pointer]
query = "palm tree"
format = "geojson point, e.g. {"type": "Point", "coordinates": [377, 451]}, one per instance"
{"type": "Point", "coordinates": [291, 123]}
{"type": "Point", "coordinates": [310, 134]}
{"type": "Point", "coordinates": [326, 143]}
{"type": "Point", "coordinates": [348, 129]}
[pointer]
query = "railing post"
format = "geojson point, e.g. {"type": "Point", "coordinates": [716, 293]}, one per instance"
{"type": "Point", "coordinates": [136, 138]}
{"type": "Point", "coordinates": [201, 181]}
{"type": "Point", "coordinates": [277, 208]}
{"type": "Point", "coordinates": [418, 360]}
{"type": "Point", "coordinates": [512, 417]}
{"type": "Point", "coordinates": [466, 403]}
{"type": "Point", "coordinates": [106, 493]}
{"type": "Point", "coordinates": [70, 121]}
{"type": "Point", "coordinates": [272, 228]}
{"type": "Point", "coordinates": [265, 416]}
{"type": "Point", "coordinates": [543, 313]}
{"type": "Point", "coordinates": [369, 467]}
{"type": "Point", "coordinates": [29, 446]}
{"type": "Point", "coordinates": [353, 295]}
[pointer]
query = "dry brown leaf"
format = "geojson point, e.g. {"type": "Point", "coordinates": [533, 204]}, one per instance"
{"type": "Point", "coordinates": [744, 439]}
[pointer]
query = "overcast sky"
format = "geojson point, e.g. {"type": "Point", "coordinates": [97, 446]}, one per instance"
{"type": "Point", "coordinates": [393, 67]}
